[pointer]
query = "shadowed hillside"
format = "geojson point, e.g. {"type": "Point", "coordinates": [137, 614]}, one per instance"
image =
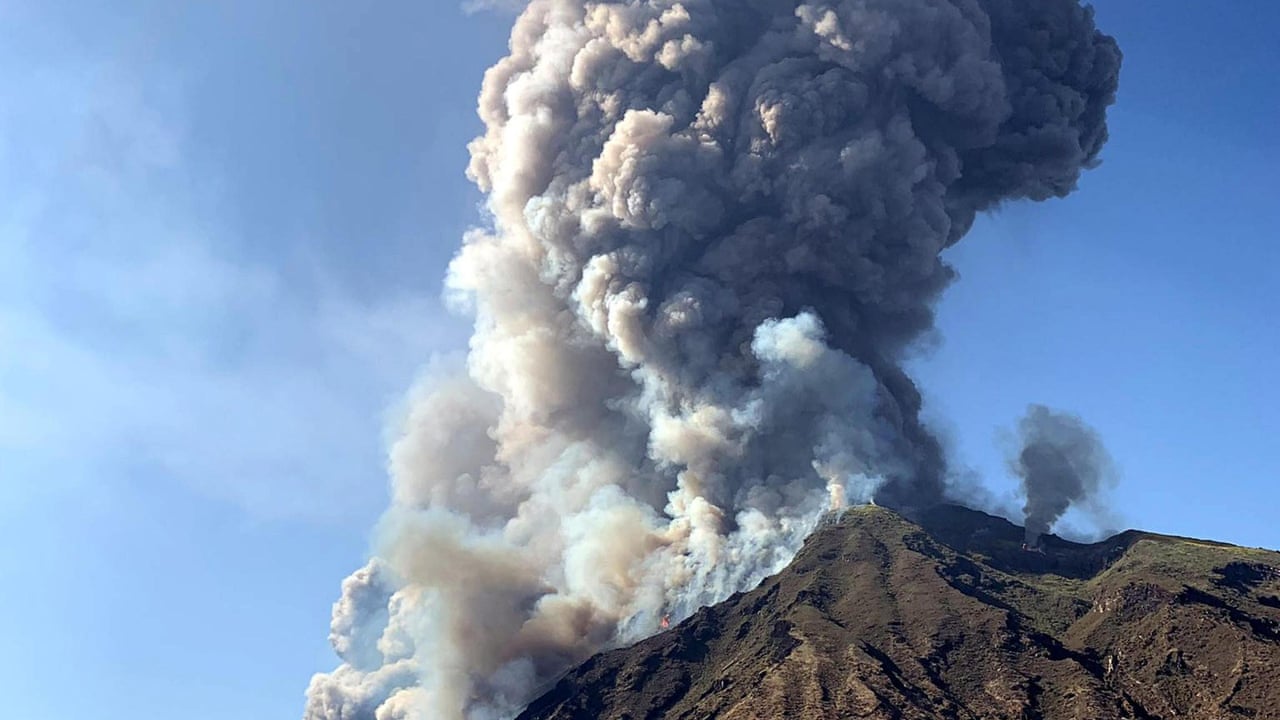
{"type": "Point", "coordinates": [879, 617]}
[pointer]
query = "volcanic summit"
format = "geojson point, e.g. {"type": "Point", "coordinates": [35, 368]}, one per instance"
{"type": "Point", "coordinates": [948, 617]}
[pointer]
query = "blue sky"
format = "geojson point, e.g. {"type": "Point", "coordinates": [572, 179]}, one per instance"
{"type": "Point", "coordinates": [221, 248]}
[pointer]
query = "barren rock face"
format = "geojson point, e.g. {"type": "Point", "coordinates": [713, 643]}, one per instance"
{"type": "Point", "coordinates": [882, 618]}
{"type": "Point", "coordinates": [1134, 601]}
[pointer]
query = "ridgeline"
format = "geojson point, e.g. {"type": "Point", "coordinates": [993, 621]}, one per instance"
{"type": "Point", "coordinates": [880, 617]}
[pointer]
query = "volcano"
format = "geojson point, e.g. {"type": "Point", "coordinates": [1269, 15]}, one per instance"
{"type": "Point", "coordinates": [948, 616]}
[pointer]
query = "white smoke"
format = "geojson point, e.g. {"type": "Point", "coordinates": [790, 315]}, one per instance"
{"type": "Point", "coordinates": [715, 228]}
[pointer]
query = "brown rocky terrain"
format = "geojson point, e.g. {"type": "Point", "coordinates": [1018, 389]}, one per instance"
{"type": "Point", "coordinates": [880, 617]}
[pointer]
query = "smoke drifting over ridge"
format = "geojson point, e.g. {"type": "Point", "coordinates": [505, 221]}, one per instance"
{"type": "Point", "coordinates": [1062, 463]}
{"type": "Point", "coordinates": [716, 226]}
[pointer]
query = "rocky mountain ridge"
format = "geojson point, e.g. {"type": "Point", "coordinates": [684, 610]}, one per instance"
{"type": "Point", "coordinates": [950, 617]}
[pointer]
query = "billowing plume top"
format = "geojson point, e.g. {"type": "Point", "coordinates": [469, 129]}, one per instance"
{"type": "Point", "coordinates": [716, 226]}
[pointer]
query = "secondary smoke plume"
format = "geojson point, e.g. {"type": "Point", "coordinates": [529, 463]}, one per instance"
{"type": "Point", "coordinates": [715, 228]}
{"type": "Point", "coordinates": [1062, 462]}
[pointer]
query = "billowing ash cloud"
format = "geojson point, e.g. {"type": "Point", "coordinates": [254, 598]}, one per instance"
{"type": "Point", "coordinates": [715, 228]}
{"type": "Point", "coordinates": [1062, 463]}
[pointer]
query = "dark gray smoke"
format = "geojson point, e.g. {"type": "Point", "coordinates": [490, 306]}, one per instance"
{"type": "Point", "coordinates": [716, 228]}
{"type": "Point", "coordinates": [1062, 463]}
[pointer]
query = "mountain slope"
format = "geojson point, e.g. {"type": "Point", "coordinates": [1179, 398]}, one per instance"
{"type": "Point", "coordinates": [879, 617]}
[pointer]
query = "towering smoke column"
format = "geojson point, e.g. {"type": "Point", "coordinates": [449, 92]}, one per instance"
{"type": "Point", "coordinates": [715, 228]}
{"type": "Point", "coordinates": [1062, 462]}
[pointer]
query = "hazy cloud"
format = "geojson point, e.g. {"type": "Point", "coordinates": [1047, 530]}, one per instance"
{"type": "Point", "coordinates": [134, 338]}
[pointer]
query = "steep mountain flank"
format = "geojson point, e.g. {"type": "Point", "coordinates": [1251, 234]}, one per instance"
{"type": "Point", "coordinates": [880, 617]}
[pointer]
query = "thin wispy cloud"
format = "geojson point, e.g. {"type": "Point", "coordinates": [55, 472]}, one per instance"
{"type": "Point", "coordinates": [134, 338]}
{"type": "Point", "coordinates": [509, 6]}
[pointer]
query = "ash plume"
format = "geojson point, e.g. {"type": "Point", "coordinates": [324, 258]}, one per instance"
{"type": "Point", "coordinates": [1062, 463]}
{"type": "Point", "coordinates": [715, 227]}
